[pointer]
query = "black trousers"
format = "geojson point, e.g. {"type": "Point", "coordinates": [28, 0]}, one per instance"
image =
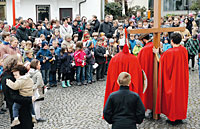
{"type": "Point", "coordinates": [191, 57]}
{"type": "Point", "coordinates": [66, 76]}
{"type": "Point", "coordinates": [100, 71]}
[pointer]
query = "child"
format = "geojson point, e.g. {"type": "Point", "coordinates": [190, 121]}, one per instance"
{"type": "Point", "coordinates": [38, 88]}
{"type": "Point", "coordinates": [137, 47]}
{"type": "Point", "coordinates": [53, 68]}
{"type": "Point", "coordinates": [66, 61]}
{"type": "Point", "coordinates": [80, 62]}
{"type": "Point", "coordinates": [89, 61]}
{"type": "Point", "coordinates": [100, 58]}
{"type": "Point", "coordinates": [56, 36]}
{"type": "Point", "coordinates": [24, 84]}
{"type": "Point", "coordinates": [75, 38]}
{"type": "Point", "coordinates": [132, 41]}
{"type": "Point", "coordinates": [27, 48]}
{"type": "Point", "coordinates": [94, 39]}
{"type": "Point", "coordinates": [166, 45]}
{"type": "Point", "coordinates": [29, 56]}
{"type": "Point", "coordinates": [44, 55]}
{"type": "Point", "coordinates": [73, 68]}
{"type": "Point", "coordinates": [22, 46]}
{"type": "Point", "coordinates": [124, 108]}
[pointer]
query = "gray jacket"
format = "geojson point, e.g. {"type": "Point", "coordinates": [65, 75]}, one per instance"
{"type": "Point", "coordinates": [36, 76]}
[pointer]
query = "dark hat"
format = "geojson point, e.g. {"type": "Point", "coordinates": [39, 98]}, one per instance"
{"type": "Point", "coordinates": [44, 43]}
{"type": "Point", "coordinates": [144, 36]}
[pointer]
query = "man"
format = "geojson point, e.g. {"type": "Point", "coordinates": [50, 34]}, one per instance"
{"type": "Point", "coordinates": [95, 23]}
{"type": "Point", "coordinates": [106, 27]}
{"type": "Point", "coordinates": [145, 58]}
{"type": "Point", "coordinates": [65, 29]}
{"type": "Point", "coordinates": [124, 62]}
{"type": "Point", "coordinates": [124, 108]}
{"type": "Point", "coordinates": [173, 82]}
{"type": "Point", "coordinates": [23, 33]}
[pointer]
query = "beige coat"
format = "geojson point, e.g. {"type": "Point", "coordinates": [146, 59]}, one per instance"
{"type": "Point", "coordinates": [24, 84]}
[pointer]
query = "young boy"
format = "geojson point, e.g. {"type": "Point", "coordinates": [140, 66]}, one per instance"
{"type": "Point", "coordinates": [29, 56]}
{"type": "Point", "coordinates": [24, 84]}
{"type": "Point", "coordinates": [100, 58]}
{"type": "Point", "coordinates": [44, 55]}
{"type": "Point", "coordinates": [53, 68]}
{"type": "Point", "coordinates": [28, 47]}
{"type": "Point", "coordinates": [124, 108]}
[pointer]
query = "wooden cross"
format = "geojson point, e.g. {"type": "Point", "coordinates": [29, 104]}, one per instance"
{"type": "Point", "coordinates": [156, 30]}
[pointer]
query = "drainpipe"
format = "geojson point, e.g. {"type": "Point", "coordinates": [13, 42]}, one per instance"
{"type": "Point", "coordinates": [80, 6]}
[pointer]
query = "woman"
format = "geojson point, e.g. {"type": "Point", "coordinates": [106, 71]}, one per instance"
{"type": "Point", "coordinates": [12, 96]}
{"type": "Point", "coordinates": [36, 76]}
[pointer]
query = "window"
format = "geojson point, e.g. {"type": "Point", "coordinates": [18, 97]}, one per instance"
{"type": "Point", "coordinates": [42, 12]}
{"type": "Point", "coordinates": [175, 5]}
{"type": "Point", "coordinates": [2, 10]}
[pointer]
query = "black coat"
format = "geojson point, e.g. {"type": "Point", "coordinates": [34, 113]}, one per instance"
{"type": "Point", "coordinates": [53, 64]}
{"type": "Point", "coordinates": [124, 109]}
{"type": "Point", "coordinates": [95, 25]}
{"type": "Point", "coordinates": [12, 96]}
{"type": "Point", "coordinates": [22, 34]}
{"type": "Point", "coordinates": [106, 27]}
{"type": "Point", "coordinates": [99, 54]}
{"type": "Point", "coordinates": [66, 61]}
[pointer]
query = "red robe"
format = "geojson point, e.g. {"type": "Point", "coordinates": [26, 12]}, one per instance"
{"type": "Point", "coordinates": [145, 58]}
{"type": "Point", "coordinates": [173, 84]}
{"type": "Point", "coordinates": [124, 62]}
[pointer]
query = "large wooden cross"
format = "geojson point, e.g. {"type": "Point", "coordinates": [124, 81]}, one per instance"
{"type": "Point", "coordinates": [156, 30]}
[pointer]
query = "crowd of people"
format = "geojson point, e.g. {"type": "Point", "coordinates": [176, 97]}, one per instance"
{"type": "Point", "coordinates": [73, 51]}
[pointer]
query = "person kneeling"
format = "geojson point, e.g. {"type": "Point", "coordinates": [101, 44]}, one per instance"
{"type": "Point", "coordinates": [124, 108]}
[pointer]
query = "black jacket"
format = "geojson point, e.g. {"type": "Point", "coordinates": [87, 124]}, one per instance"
{"type": "Point", "coordinates": [106, 27]}
{"type": "Point", "coordinates": [99, 54]}
{"type": "Point", "coordinates": [12, 96]}
{"type": "Point", "coordinates": [66, 61]}
{"type": "Point", "coordinates": [22, 34]}
{"type": "Point", "coordinates": [95, 25]}
{"type": "Point", "coordinates": [124, 109]}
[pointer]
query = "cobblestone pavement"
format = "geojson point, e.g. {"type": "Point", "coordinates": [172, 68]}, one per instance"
{"type": "Point", "coordinates": [81, 108]}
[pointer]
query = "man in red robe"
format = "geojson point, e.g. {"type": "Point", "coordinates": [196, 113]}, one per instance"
{"type": "Point", "coordinates": [173, 82]}
{"type": "Point", "coordinates": [124, 62]}
{"type": "Point", "coordinates": [146, 59]}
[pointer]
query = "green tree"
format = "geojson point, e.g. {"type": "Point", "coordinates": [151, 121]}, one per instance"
{"type": "Point", "coordinates": [133, 10]}
{"type": "Point", "coordinates": [113, 8]}
{"type": "Point", "coordinates": [195, 6]}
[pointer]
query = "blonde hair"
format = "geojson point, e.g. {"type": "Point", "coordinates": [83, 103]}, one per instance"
{"type": "Point", "coordinates": [124, 79]}
{"type": "Point", "coordinates": [13, 39]}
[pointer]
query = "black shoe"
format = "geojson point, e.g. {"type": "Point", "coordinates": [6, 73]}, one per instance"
{"type": "Point", "coordinates": [41, 120]}
{"type": "Point", "coordinates": [1, 112]}
{"type": "Point", "coordinates": [177, 122]}
{"type": "Point", "coordinates": [84, 83]}
{"type": "Point", "coordinates": [89, 82]}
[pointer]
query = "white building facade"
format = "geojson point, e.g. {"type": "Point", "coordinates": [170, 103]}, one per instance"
{"type": "Point", "coordinates": [54, 9]}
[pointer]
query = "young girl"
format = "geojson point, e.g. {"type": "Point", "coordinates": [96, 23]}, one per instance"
{"type": "Point", "coordinates": [73, 68]}
{"type": "Point", "coordinates": [80, 62]}
{"type": "Point", "coordinates": [66, 61]}
{"type": "Point", "coordinates": [38, 87]}
{"type": "Point", "coordinates": [24, 84]}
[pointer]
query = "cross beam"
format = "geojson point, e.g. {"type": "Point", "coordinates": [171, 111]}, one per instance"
{"type": "Point", "coordinates": [156, 30]}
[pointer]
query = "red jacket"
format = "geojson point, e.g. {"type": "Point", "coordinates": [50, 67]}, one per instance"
{"type": "Point", "coordinates": [79, 58]}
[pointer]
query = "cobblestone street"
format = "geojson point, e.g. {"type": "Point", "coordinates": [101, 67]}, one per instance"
{"type": "Point", "coordinates": [81, 108]}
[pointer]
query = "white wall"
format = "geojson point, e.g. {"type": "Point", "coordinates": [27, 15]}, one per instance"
{"type": "Point", "coordinates": [91, 7]}
{"type": "Point", "coordinates": [27, 8]}
{"type": "Point", "coordinates": [141, 3]}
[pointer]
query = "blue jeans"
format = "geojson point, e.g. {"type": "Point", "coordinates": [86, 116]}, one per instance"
{"type": "Point", "coordinates": [52, 78]}
{"type": "Point", "coordinates": [16, 108]}
{"type": "Point", "coordinates": [45, 76]}
{"type": "Point", "coordinates": [80, 74]}
{"type": "Point", "coordinates": [89, 70]}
